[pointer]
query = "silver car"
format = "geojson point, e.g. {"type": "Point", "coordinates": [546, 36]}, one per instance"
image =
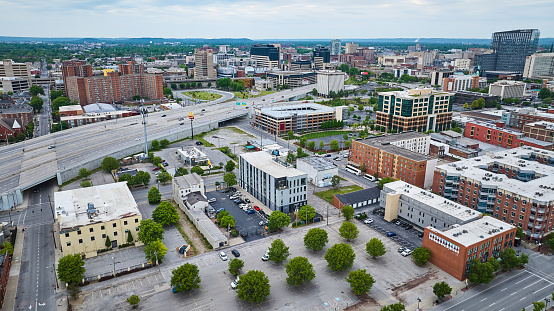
{"type": "Point", "coordinates": [223, 256]}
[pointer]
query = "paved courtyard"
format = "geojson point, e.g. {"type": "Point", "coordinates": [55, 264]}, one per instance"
{"type": "Point", "coordinates": [328, 291]}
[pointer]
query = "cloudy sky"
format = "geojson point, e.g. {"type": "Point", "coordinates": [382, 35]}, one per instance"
{"type": "Point", "coordinates": [273, 19]}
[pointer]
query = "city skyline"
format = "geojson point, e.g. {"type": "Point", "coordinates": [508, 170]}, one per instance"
{"type": "Point", "coordinates": [278, 20]}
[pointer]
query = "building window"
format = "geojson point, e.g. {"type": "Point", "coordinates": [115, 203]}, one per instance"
{"type": "Point", "coordinates": [115, 233]}
{"type": "Point", "coordinates": [67, 234]}
{"type": "Point", "coordinates": [136, 220]}
{"type": "Point", "coordinates": [103, 236]}
{"type": "Point", "coordinates": [137, 229]}
{"type": "Point", "coordinates": [114, 225]}
{"type": "Point", "coordinates": [68, 243]}
{"type": "Point", "coordinates": [92, 238]}
{"type": "Point", "coordinates": [125, 222]}
{"type": "Point", "coordinates": [80, 241]}
{"type": "Point", "coordinates": [102, 227]}
{"type": "Point", "coordinates": [78, 232]}
{"type": "Point", "coordinates": [91, 229]}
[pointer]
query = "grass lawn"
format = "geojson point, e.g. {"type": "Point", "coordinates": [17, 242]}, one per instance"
{"type": "Point", "coordinates": [324, 134]}
{"type": "Point", "coordinates": [202, 95]}
{"type": "Point", "coordinates": [329, 194]}
{"type": "Point", "coordinates": [246, 94]}
{"type": "Point", "coordinates": [200, 137]}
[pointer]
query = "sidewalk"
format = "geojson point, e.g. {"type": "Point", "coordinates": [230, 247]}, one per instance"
{"type": "Point", "coordinates": [13, 281]}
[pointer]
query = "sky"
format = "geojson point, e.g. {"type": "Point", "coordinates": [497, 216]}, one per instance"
{"type": "Point", "coordinates": [273, 19]}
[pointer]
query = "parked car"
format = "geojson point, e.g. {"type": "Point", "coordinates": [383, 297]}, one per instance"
{"type": "Point", "coordinates": [251, 211]}
{"type": "Point", "coordinates": [51, 147]}
{"type": "Point", "coordinates": [397, 223]}
{"type": "Point", "coordinates": [247, 200]}
{"type": "Point", "coordinates": [223, 256]}
{"type": "Point", "coordinates": [391, 234]}
{"type": "Point", "coordinates": [235, 253]}
{"type": "Point", "coordinates": [336, 158]}
{"type": "Point", "coordinates": [163, 115]}
{"type": "Point", "coordinates": [220, 210]}
{"type": "Point", "coordinates": [407, 252]}
{"type": "Point", "coordinates": [256, 207]}
{"type": "Point", "coordinates": [165, 164]}
{"type": "Point", "coordinates": [212, 200]}
{"type": "Point", "coordinates": [420, 234]}
{"type": "Point", "coordinates": [408, 227]}
{"type": "Point", "coordinates": [368, 221]}
{"type": "Point", "coordinates": [156, 168]}
{"type": "Point", "coordinates": [401, 249]}
{"type": "Point", "coordinates": [233, 189]}
{"type": "Point", "coordinates": [328, 155]}
{"type": "Point", "coordinates": [265, 257]}
{"type": "Point", "coordinates": [235, 283]}
{"type": "Point", "coordinates": [199, 143]}
{"type": "Point", "coordinates": [263, 222]}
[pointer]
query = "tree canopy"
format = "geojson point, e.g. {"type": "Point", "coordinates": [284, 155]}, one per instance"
{"type": "Point", "coordinates": [185, 278]}
{"type": "Point", "coordinates": [154, 195]}
{"type": "Point", "coordinates": [165, 214]}
{"type": "Point", "coordinates": [340, 257]}
{"type": "Point", "coordinates": [278, 251]}
{"type": "Point", "coordinates": [441, 289]}
{"type": "Point", "coordinates": [150, 231]}
{"type": "Point", "coordinates": [299, 271]}
{"type": "Point", "coordinates": [480, 273]}
{"type": "Point", "coordinates": [421, 255]}
{"type": "Point", "coordinates": [235, 265]}
{"type": "Point", "coordinates": [277, 220]}
{"type": "Point", "coordinates": [315, 239]}
{"type": "Point", "coordinates": [348, 230]}
{"type": "Point", "coordinates": [375, 248]}
{"type": "Point", "coordinates": [360, 281]}
{"type": "Point", "coordinates": [155, 250]}
{"type": "Point", "coordinates": [253, 286]}
{"type": "Point", "coordinates": [347, 212]}
{"type": "Point", "coordinates": [306, 213]}
{"type": "Point", "coordinates": [109, 164]}
{"type": "Point", "coordinates": [71, 269]}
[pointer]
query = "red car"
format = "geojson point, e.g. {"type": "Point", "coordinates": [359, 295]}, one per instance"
{"type": "Point", "coordinates": [155, 168]}
{"type": "Point", "coordinates": [257, 208]}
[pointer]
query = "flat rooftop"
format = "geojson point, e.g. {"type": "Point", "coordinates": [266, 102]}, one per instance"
{"type": "Point", "coordinates": [111, 201]}
{"type": "Point", "coordinates": [385, 145]}
{"type": "Point", "coordinates": [319, 163]}
{"type": "Point", "coordinates": [546, 124]}
{"type": "Point", "coordinates": [391, 138]}
{"type": "Point", "coordinates": [300, 109]}
{"type": "Point", "coordinates": [439, 203]}
{"type": "Point", "coordinates": [494, 127]}
{"type": "Point", "coordinates": [266, 163]}
{"type": "Point", "coordinates": [475, 231]}
{"type": "Point", "coordinates": [518, 157]}
{"type": "Point", "coordinates": [415, 93]}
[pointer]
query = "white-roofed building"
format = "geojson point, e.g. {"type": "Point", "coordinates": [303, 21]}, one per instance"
{"type": "Point", "coordinates": [320, 170]}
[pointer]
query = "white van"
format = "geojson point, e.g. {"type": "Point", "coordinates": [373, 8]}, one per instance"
{"type": "Point", "coordinates": [369, 177]}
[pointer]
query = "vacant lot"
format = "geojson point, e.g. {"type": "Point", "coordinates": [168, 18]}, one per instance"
{"type": "Point", "coordinates": [329, 194]}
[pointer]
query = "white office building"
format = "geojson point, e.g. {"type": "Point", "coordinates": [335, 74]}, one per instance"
{"type": "Point", "coordinates": [328, 81]}
{"type": "Point", "coordinates": [275, 183]}
{"type": "Point", "coordinates": [320, 170]}
{"type": "Point", "coordinates": [507, 89]}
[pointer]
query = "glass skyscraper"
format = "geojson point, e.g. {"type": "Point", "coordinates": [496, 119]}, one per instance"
{"type": "Point", "coordinates": [511, 48]}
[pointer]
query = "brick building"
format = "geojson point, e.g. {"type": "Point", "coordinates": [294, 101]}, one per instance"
{"type": "Point", "coordinates": [19, 111]}
{"type": "Point", "coordinates": [498, 135]}
{"type": "Point", "coordinates": [514, 186]}
{"type": "Point", "coordinates": [415, 110]}
{"type": "Point", "coordinates": [453, 248]}
{"type": "Point", "coordinates": [75, 68]}
{"type": "Point", "coordinates": [378, 156]}
{"type": "Point", "coordinates": [518, 118]}
{"type": "Point", "coordinates": [10, 127]}
{"type": "Point", "coordinates": [540, 130]}
{"type": "Point", "coordinates": [297, 118]}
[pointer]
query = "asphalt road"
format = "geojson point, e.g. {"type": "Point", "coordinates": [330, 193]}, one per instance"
{"type": "Point", "coordinates": [37, 282]}
{"type": "Point", "coordinates": [510, 291]}
{"type": "Point", "coordinates": [42, 127]}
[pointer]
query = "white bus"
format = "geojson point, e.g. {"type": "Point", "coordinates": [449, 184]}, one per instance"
{"type": "Point", "coordinates": [352, 169]}
{"type": "Point", "coordinates": [369, 177]}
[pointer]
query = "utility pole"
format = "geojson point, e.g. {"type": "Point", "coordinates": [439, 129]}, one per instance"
{"type": "Point", "coordinates": [144, 113]}
{"type": "Point", "coordinates": [191, 117]}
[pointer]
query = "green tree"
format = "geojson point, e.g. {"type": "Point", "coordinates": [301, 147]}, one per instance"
{"type": "Point", "coordinates": [315, 239]}
{"type": "Point", "coordinates": [221, 214]}
{"type": "Point", "coordinates": [520, 234]}
{"type": "Point", "coordinates": [150, 231]}
{"type": "Point", "coordinates": [128, 178]}
{"type": "Point", "coordinates": [173, 86]}
{"type": "Point", "coordinates": [142, 178]}
{"type": "Point", "coordinates": [7, 247]}
{"type": "Point", "coordinates": [59, 102]}
{"type": "Point", "coordinates": [321, 144]}
{"type": "Point", "coordinates": [360, 107]}
{"type": "Point", "coordinates": [480, 273]}
{"type": "Point", "coordinates": [394, 307]}
{"type": "Point", "coordinates": [335, 181]}
{"type": "Point", "coordinates": [360, 281]}
{"type": "Point", "coordinates": [253, 286]}
{"type": "Point", "coordinates": [55, 94]}
{"type": "Point", "coordinates": [347, 212]}
{"type": "Point", "coordinates": [303, 141]}
{"type": "Point", "coordinates": [278, 251]}
{"type": "Point", "coordinates": [538, 306]}
{"type": "Point", "coordinates": [85, 184]}
{"type": "Point", "coordinates": [36, 103]}
{"type": "Point", "coordinates": [167, 91]}
{"type": "Point", "coordinates": [278, 220]}
{"type": "Point", "coordinates": [347, 143]}
{"type": "Point", "coordinates": [109, 164]}
{"type": "Point", "coordinates": [185, 278]}
{"type": "Point", "coordinates": [375, 248]}
{"type": "Point", "coordinates": [383, 181]}
{"type": "Point", "coordinates": [155, 250]}
{"type": "Point", "coordinates": [155, 144]}
{"type": "Point", "coordinates": [230, 166]}
{"type": "Point", "coordinates": [442, 289]}
{"type": "Point", "coordinates": [290, 157]}
{"type": "Point", "coordinates": [290, 135]}
{"type": "Point", "coordinates": [230, 179]}
{"type": "Point", "coordinates": [164, 143]}
{"type": "Point", "coordinates": [348, 231]}
{"type": "Point", "coordinates": [165, 214]}
{"type": "Point", "coordinates": [306, 213]}
{"type": "Point", "coordinates": [235, 265]}
{"type": "Point", "coordinates": [73, 290]}
{"type": "Point", "coordinates": [421, 255]}
{"type": "Point", "coordinates": [108, 242]}
{"type": "Point", "coordinates": [35, 90]}
{"type": "Point", "coordinates": [314, 92]}
{"type": "Point", "coordinates": [164, 177]}
{"type": "Point", "coordinates": [334, 145]}
{"type": "Point", "coordinates": [197, 169]}
{"type": "Point", "coordinates": [299, 271]}
{"type": "Point", "coordinates": [181, 171]}
{"type": "Point", "coordinates": [227, 221]}
{"type": "Point", "coordinates": [340, 257]}
{"type": "Point", "coordinates": [495, 264]}
{"type": "Point", "coordinates": [133, 301]}
{"type": "Point", "coordinates": [545, 93]}
{"type": "Point", "coordinates": [311, 145]}
{"type": "Point", "coordinates": [20, 137]}
{"type": "Point", "coordinates": [71, 269]}
{"type": "Point", "coordinates": [130, 238]}
{"type": "Point", "coordinates": [509, 259]}
{"type": "Point", "coordinates": [84, 173]}
{"type": "Point", "coordinates": [154, 195]}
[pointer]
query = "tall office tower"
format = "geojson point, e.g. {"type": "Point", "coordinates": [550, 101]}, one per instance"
{"type": "Point", "coordinates": [265, 55]}
{"type": "Point", "coordinates": [335, 47]}
{"type": "Point", "coordinates": [204, 64]}
{"type": "Point", "coordinates": [75, 68]}
{"type": "Point", "coordinates": [511, 49]}
{"type": "Point", "coordinates": [351, 47]}
{"type": "Point", "coordinates": [322, 57]}
{"type": "Point", "coordinates": [539, 65]}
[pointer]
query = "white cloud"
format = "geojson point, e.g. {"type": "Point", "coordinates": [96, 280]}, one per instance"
{"type": "Point", "coordinates": [274, 19]}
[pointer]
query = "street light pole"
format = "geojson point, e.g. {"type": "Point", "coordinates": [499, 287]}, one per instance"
{"type": "Point", "coordinates": [113, 259]}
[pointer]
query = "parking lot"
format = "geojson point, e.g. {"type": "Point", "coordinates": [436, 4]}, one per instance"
{"type": "Point", "coordinates": [248, 225]}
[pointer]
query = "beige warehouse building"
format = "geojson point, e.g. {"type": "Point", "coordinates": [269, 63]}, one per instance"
{"type": "Point", "coordinates": [87, 216]}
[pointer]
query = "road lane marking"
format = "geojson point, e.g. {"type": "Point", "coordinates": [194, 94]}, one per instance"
{"type": "Point", "coordinates": [522, 298]}
{"type": "Point", "coordinates": [483, 299]}
{"type": "Point", "coordinates": [524, 279]}
{"type": "Point", "coordinates": [513, 293]}
{"type": "Point", "coordinates": [504, 289]}
{"type": "Point", "coordinates": [492, 304]}
{"type": "Point", "coordinates": [532, 284]}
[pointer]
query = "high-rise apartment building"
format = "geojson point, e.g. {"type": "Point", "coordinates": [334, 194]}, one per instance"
{"type": "Point", "coordinates": [10, 69]}
{"type": "Point", "coordinates": [351, 48]}
{"type": "Point", "coordinates": [425, 59]}
{"type": "Point", "coordinates": [415, 110]}
{"type": "Point", "coordinates": [460, 83]}
{"type": "Point", "coordinates": [265, 55]}
{"type": "Point", "coordinates": [204, 64]}
{"type": "Point", "coordinates": [511, 49]}
{"type": "Point", "coordinates": [131, 68]}
{"type": "Point", "coordinates": [322, 58]}
{"type": "Point", "coordinates": [540, 65]}
{"type": "Point", "coordinates": [335, 47]}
